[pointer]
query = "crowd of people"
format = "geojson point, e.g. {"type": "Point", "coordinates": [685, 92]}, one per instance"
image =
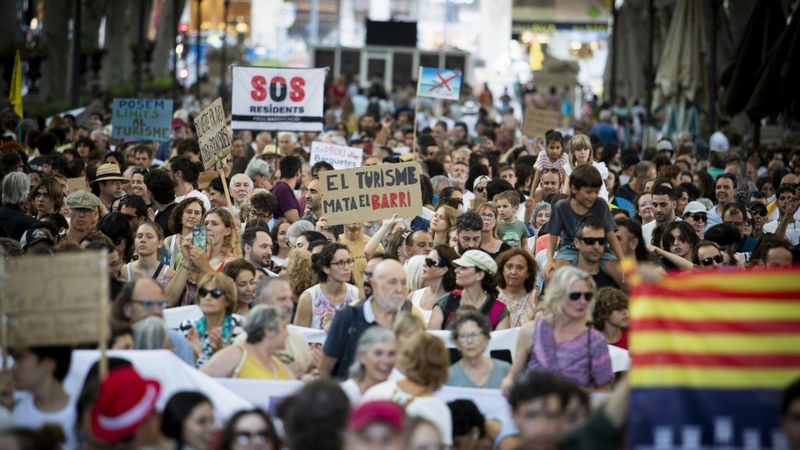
{"type": "Point", "coordinates": [515, 233]}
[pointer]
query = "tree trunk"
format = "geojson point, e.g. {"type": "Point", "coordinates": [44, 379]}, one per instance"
{"type": "Point", "coordinates": [9, 39]}
{"type": "Point", "coordinates": [93, 11]}
{"type": "Point", "coordinates": [121, 20]}
{"type": "Point", "coordinates": [55, 67]}
{"type": "Point", "coordinates": [165, 41]}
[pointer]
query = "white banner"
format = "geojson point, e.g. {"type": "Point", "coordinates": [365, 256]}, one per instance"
{"type": "Point", "coordinates": [339, 156]}
{"type": "Point", "coordinates": [277, 99]}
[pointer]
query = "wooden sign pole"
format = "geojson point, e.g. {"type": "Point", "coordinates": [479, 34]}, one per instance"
{"type": "Point", "coordinates": [104, 320]}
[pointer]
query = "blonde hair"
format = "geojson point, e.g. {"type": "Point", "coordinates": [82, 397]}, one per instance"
{"type": "Point", "coordinates": [405, 322]}
{"type": "Point", "coordinates": [425, 361]}
{"type": "Point", "coordinates": [490, 207]}
{"type": "Point", "coordinates": [300, 270]}
{"type": "Point", "coordinates": [578, 142]}
{"type": "Point", "coordinates": [555, 296]}
{"type": "Point", "coordinates": [414, 271]}
{"type": "Point", "coordinates": [231, 245]}
{"type": "Point", "coordinates": [220, 281]}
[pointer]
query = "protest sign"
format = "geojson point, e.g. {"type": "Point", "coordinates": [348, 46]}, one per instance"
{"type": "Point", "coordinates": [371, 193]}
{"type": "Point", "coordinates": [213, 135]}
{"type": "Point", "coordinates": [147, 119]}
{"type": "Point", "coordinates": [277, 99]}
{"type": "Point", "coordinates": [339, 156]}
{"type": "Point", "coordinates": [439, 83]}
{"type": "Point", "coordinates": [538, 121]}
{"type": "Point", "coordinates": [76, 184]}
{"type": "Point", "coordinates": [717, 348]}
{"type": "Point", "coordinates": [55, 299]}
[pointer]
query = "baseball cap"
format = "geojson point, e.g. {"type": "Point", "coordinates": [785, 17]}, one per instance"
{"type": "Point", "coordinates": [83, 200]}
{"type": "Point", "coordinates": [694, 207]}
{"type": "Point", "coordinates": [478, 259]}
{"type": "Point", "coordinates": [34, 236]}
{"type": "Point", "coordinates": [124, 402]}
{"type": "Point", "coordinates": [757, 206]}
{"type": "Point", "coordinates": [383, 411]}
{"type": "Point", "coordinates": [629, 160]}
{"type": "Point", "coordinates": [664, 145]}
{"type": "Point", "coordinates": [479, 179]}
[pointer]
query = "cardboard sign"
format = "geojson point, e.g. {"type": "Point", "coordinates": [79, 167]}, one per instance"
{"type": "Point", "coordinates": [439, 83]}
{"type": "Point", "coordinates": [146, 119]}
{"type": "Point", "coordinates": [371, 193]}
{"type": "Point", "coordinates": [76, 184]}
{"type": "Point", "coordinates": [55, 299]}
{"type": "Point", "coordinates": [213, 135]}
{"type": "Point", "coordinates": [339, 156]}
{"type": "Point", "coordinates": [268, 98]}
{"type": "Point", "coordinates": [538, 122]}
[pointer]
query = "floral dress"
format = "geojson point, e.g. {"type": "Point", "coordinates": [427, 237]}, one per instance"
{"type": "Point", "coordinates": [520, 310]}
{"type": "Point", "coordinates": [231, 328]}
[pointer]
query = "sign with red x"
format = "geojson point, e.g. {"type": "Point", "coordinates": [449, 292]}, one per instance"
{"type": "Point", "coordinates": [439, 83]}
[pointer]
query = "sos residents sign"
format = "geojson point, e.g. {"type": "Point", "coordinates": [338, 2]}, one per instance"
{"type": "Point", "coordinates": [371, 193]}
{"type": "Point", "coordinates": [273, 99]}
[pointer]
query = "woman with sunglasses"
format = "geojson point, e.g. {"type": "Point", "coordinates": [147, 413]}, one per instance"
{"type": "Point", "coordinates": [319, 303]}
{"type": "Point", "coordinates": [707, 255]}
{"type": "Point", "coordinates": [249, 430]}
{"type": "Point", "coordinates": [438, 278]}
{"type": "Point", "coordinates": [489, 240]}
{"type": "Point", "coordinates": [218, 326]}
{"type": "Point", "coordinates": [561, 341]}
{"type": "Point", "coordinates": [471, 332]}
{"type": "Point", "coordinates": [695, 215]}
{"type": "Point", "coordinates": [475, 271]}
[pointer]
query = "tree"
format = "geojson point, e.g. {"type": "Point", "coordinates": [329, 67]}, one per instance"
{"type": "Point", "coordinates": [165, 41]}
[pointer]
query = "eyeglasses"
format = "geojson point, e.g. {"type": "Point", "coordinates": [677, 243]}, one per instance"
{"type": "Point", "coordinates": [247, 437]}
{"type": "Point", "coordinates": [488, 216]}
{"type": "Point", "coordinates": [711, 260]}
{"type": "Point", "coordinates": [343, 263]}
{"type": "Point", "coordinates": [259, 214]}
{"type": "Point", "coordinates": [575, 296]}
{"type": "Point", "coordinates": [151, 304]}
{"type": "Point", "coordinates": [592, 241]}
{"type": "Point", "coordinates": [469, 336]}
{"type": "Point", "coordinates": [733, 223]}
{"type": "Point", "coordinates": [215, 293]}
{"type": "Point", "coordinates": [81, 211]}
{"type": "Point", "coordinates": [431, 263]}
{"type": "Point", "coordinates": [480, 189]}
{"type": "Point", "coordinates": [697, 217]}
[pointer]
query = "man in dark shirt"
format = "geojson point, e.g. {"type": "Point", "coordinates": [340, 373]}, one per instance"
{"type": "Point", "coordinates": [13, 219]}
{"type": "Point", "coordinates": [162, 193]}
{"type": "Point", "coordinates": [644, 172]}
{"type": "Point", "coordinates": [590, 240]}
{"type": "Point", "coordinates": [288, 206]}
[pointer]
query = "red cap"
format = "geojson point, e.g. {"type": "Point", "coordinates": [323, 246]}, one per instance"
{"type": "Point", "coordinates": [177, 122]}
{"type": "Point", "coordinates": [125, 401]}
{"type": "Point", "coordinates": [386, 412]}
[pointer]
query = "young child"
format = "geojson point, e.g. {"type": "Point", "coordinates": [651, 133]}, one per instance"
{"type": "Point", "coordinates": [584, 185]}
{"type": "Point", "coordinates": [510, 230]}
{"type": "Point", "coordinates": [552, 158]}
{"type": "Point", "coordinates": [580, 152]}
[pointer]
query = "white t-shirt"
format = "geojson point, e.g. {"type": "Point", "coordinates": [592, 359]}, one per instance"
{"type": "Point", "coordinates": [430, 408]}
{"type": "Point", "coordinates": [352, 391]}
{"type": "Point", "coordinates": [197, 194]}
{"type": "Point", "coordinates": [26, 414]}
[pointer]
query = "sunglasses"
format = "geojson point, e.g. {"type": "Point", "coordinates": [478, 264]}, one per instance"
{"type": "Point", "coordinates": [758, 212]}
{"type": "Point", "coordinates": [215, 293]}
{"type": "Point", "coordinates": [431, 263]}
{"type": "Point", "coordinates": [480, 189]}
{"type": "Point", "coordinates": [592, 241]}
{"type": "Point", "coordinates": [575, 296]}
{"type": "Point", "coordinates": [711, 260]}
{"type": "Point", "coordinates": [698, 217]}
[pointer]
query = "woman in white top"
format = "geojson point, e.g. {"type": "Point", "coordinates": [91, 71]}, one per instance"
{"type": "Point", "coordinates": [319, 303]}
{"type": "Point", "coordinates": [375, 358]}
{"type": "Point", "coordinates": [580, 152]}
{"type": "Point", "coordinates": [147, 244]}
{"type": "Point", "coordinates": [184, 217]}
{"type": "Point", "coordinates": [438, 277]}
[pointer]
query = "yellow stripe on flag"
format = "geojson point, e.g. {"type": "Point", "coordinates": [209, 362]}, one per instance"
{"type": "Point", "coordinates": [717, 343]}
{"type": "Point", "coordinates": [711, 377]}
{"type": "Point", "coordinates": [651, 307]}
{"type": "Point", "coordinates": [757, 282]}
{"type": "Point", "coordinates": [15, 92]}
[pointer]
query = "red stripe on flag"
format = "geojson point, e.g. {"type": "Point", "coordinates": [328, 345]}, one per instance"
{"type": "Point", "coordinates": [718, 326]}
{"type": "Point", "coordinates": [708, 294]}
{"type": "Point", "coordinates": [755, 361]}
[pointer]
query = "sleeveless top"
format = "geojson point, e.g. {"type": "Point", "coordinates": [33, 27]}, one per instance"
{"type": "Point", "coordinates": [159, 275]}
{"type": "Point", "coordinates": [492, 308]}
{"type": "Point", "coordinates": [250, 368]}
{"type": "Point", "coordinates": [521, 310]}
{"type": "Point", "coordinates": [323, 309]}
{"type": "Point", "coordinates": [416, 297]}
{"type": "Point", "coordinates": [583, 359]}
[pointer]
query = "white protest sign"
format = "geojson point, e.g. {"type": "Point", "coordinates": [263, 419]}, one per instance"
{"type": "Point", "coordinates": [277, 99]}
{"type": "Point", "coordinates": [213, 134]}
{"type": "Point", "coordinates": [339, 156]}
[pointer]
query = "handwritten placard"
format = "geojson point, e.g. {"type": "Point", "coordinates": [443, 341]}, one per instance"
{"type": "Point", "coordinates": [538, 122]}
{"type": "Point", "coordinates": [339, 156]}
{"type": "Point", "coordinates": [371, 193]}
{"type": "Point", "coordinates": [148, 119]}
{"type": "Point", "coordinates": [213, 135]}
{"type": "Point", "coordinates": [55, 299]}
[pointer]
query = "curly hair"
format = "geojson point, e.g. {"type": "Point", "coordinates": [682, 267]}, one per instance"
{"type": "Point", "coordinates": [300, 270]}
{"type": "Point", "coordinates": [425, 361]}
{"type": "Point", "coordinates": [502, 260]}
{"type": "Point", "coordinates": [608, 300]}
{"type": "Point", "coordinates": [323, 259]}
{"type": "Point", "coordinates": [231, 246]}
{"type": "Point", "coordinates": [556, 293]}
{"type": "Point", "coordinates": [176, 218]}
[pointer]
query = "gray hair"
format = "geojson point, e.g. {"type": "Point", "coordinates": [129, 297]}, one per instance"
{"type": "Point", "coordinates": [16, 186]}
{"type": "Point", "coordinates": [555, 295]}
{"type": "Point", "coordinates": [373, 336]}
{"type": "Point", "coordinates": [440, 179]}
{"type": "Point", "coordinates": [296, 229]}
{"type": "Point", "coordinates": [262, 288]}
{"type": "Point", "coordinates": [261, 319]}
{"type": "Point", "coordinates": [150, 333]}
{"type": "Point", "coordinates": [257, 167]}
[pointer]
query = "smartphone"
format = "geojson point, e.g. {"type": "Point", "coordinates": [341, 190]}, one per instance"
{"type": "Point", "coordinates": [199, 236]}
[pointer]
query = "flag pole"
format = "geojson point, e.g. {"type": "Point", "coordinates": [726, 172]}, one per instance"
{"type": "Point", "coordinates": [416, 111]}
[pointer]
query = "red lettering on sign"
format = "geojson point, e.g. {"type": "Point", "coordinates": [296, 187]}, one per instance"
{"type": "Point", "coordinates": [376, 201]}
{"type": "Point", "coordinates": [298, 93]}
{"type": "Point", "coordinates": [393, 199]}
{"type": "Point", "coordinates": [259, 93]}
{"type": "Point", "coordinates": [403, 200]}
